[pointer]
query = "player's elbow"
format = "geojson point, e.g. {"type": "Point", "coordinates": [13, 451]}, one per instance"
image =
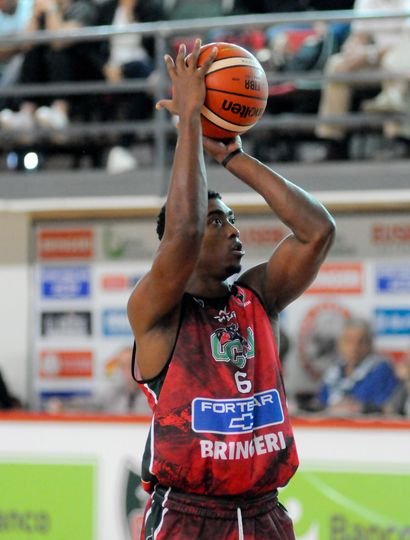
{"type": "Point", "coordinates": [325, 232]}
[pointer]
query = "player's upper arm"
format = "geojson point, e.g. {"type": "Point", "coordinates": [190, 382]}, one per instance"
{"type": "Point", "coordinates": [290, 270]}
{"type": "Point", "coordinates": [160, 291]}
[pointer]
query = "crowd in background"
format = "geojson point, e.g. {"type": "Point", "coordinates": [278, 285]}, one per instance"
{"type": "Point", "coordinates": [334, 48]}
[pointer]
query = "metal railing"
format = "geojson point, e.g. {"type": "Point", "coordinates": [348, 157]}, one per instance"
{"type": "Point", "coordinates": [163, 32]}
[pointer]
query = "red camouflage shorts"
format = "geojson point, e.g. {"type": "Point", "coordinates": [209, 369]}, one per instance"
{"type": "Point", "coordinates": [181, 516]}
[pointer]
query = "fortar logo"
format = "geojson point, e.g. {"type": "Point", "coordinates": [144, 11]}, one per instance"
{"type": "Point", "coordinates": [242, 110]}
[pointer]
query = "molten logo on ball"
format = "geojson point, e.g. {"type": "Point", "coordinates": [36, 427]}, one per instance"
{"type": "Point", "coordinates": [237, 91]}
{"type": "Point", "coordinates": [242, 110]}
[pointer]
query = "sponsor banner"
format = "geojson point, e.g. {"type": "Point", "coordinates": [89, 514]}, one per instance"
{"type": "Point", "coordinates": [372, 236]}
{"type": "Point", "coordinates": [393, 279]}
{"type": "Point", "coordinates": [47, 501]}
{"type": "Point", "coordinates": [66, 324]}
{"type": "Point", "coordinates": [118, 282]}
{"type": "Point", "coordinates": [395, 321]}
{"type": "Point", "coordinates": [115, 322]}
{"type": "Point", "coordinates": [65, 244]}
{"type": "Point", "coordinates": [396, 355]}
{"type": "Point", "coordinates": [231, 416]}
{"type": "Point", "coordinates": [122, 241]}
{"type": "Point", "coordinates": [56, 364]}
{"type": "Point", "coordinates": [390, 236]}
{"type": "Point", "coordinates": [352, 505]}
{"type": "Point", "coordinates": [65, 282]}
{"type": "Point", "coordinates": [134, 500]}
{"type": "Point", "coordinates": [391, 233]}
{"type": "Point", "coordinates": [338, 278]}
{"type": "Point", "coordinates": [57, 400]}
{"type": "Point", "coordinates": [262, 235]}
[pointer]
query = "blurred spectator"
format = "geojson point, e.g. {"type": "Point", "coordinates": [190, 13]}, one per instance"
{"type": "Point", "coordinates": [7, 400]}
{"type": "Point", "coordinates": [128, 57]}
{"type": "Point", "coordinates": [395, 94]}
{"type": "Point", "coordinates": [399, 401]}
{"type": "Point", "coordinates": [55, 62]}
{"type": "Point", "coordinates": [192, 9]}
{"type": "Point", "coordinates": [14, 16]}
{"type": "Point", "coordinates": [124, 395]}
{"type": "Point", "coordinates": [359, 381]}
{"type": "Point", "coordinates": [365, 47]}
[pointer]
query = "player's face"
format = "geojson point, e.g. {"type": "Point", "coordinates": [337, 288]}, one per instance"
{"type": "Point", "coordinates": [221, 250]}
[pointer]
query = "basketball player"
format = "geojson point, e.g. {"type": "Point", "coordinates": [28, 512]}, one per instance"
{"type": "Point", "coordinates": [220, 442]}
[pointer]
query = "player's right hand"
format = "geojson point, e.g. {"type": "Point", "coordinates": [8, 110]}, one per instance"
{"type": "Point", "coordinates": [188, 81]}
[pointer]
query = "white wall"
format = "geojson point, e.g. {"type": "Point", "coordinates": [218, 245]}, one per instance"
{"type": "Point", "coordinates": [14, 300]}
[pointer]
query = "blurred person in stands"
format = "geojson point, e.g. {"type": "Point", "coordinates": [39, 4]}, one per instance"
{"type": "Point", "coordinates": [399, 401]}
{"type": "Point", "coordinates": [365, 48]}
{"type": "Point", "coordinates": [14, 16]}
{"type": "Point", "coordinates": [395, 94]}
{"type": "Point", "coordinates": [7, 400]}
{"type": "Point", "coordinates": [53, 63]}
{"type": "Point", "coordinates": [360, 380]}
{"type": "Point", "coordinates": [128, 56]}
{"type": "Point", "coordinates": [123, 395]}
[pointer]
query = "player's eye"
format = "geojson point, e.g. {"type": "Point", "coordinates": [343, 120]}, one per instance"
{"type": "Point", "coordinates": [216, 221]}
{"type": "Point", "coordinates": [232, 220]}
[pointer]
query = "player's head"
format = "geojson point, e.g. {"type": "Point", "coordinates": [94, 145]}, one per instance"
{"type": "Point", "coordinates": [355, 341]}
{"type": "Point", "coordinates": [221, 250]}
{"type": "Point", "coordinates": [162, 214]}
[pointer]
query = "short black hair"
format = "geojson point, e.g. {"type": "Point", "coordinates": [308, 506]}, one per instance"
{"type": "Point", "coordinates": [161, 216]}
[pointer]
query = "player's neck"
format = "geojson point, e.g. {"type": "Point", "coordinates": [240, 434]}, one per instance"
{"type": "Point", "coordinates": [208, 288]}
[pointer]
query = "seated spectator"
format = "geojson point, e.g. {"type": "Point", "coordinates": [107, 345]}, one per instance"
{"type": "Point", "coordinates": [57, 62]}
{"type": "Point", "coordinates": [360, 381]}
{"type": "Point", "coordinates": [128, 57]}
{"type": "Point", "coordinates": [365, 47]}
{"type": "Point", "coordinates": [399, 401]}
{"type": "Point", "coordinates": [395, 94]}
{"type": "Point", "coordinates": [7, 400]}
{"type": "Point", "coordinates": [14, 16]}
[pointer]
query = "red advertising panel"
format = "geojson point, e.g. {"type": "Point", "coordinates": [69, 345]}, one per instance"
{"type": "Point", "coordinates": [65, 244]}
{"type": "Point", "coordinates": [66, 364]}
{"type": "Point", "coordinates": [338, 278]}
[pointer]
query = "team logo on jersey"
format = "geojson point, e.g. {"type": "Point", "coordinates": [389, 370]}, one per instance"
{"type": "Point", "coordinates": [225, 316]}
{"type": "Point", "coordinates": [228, 345]}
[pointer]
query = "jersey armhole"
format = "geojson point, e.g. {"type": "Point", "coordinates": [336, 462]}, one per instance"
{"type": "Point", "coordinates": [160, 375]}
{"type": "Point", "coordinates": [240, 284]}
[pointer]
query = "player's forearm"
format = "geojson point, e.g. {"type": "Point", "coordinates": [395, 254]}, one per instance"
{"type": "Point", "coordinates": [187, 195]}
{"type": "Point", "coordinates": [301, 212]}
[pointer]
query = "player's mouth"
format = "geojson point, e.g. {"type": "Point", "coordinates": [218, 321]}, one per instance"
{"type": "Point", "coordinates": [237, 249]}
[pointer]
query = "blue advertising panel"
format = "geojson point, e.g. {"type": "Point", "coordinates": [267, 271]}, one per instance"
{"type": "Point", "coordinates": [65, 282]}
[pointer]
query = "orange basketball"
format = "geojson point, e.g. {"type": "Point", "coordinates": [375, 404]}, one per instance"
{"type": "Point", "coordinates": [237, 91]}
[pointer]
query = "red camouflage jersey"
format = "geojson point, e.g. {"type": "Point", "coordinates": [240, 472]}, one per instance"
{"type": "Point", "coordinates": [220, 423]}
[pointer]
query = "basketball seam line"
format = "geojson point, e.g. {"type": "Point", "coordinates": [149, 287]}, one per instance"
{"type": "Point", "coordinates": [230, 67]}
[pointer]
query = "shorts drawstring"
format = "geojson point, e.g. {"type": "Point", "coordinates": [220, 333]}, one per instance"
{"type": "Point", "coordinates": [240, 524]}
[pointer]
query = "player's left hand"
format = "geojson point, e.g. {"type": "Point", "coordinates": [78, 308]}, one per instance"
{"type": "Point", "coordinates": [220, 149]}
